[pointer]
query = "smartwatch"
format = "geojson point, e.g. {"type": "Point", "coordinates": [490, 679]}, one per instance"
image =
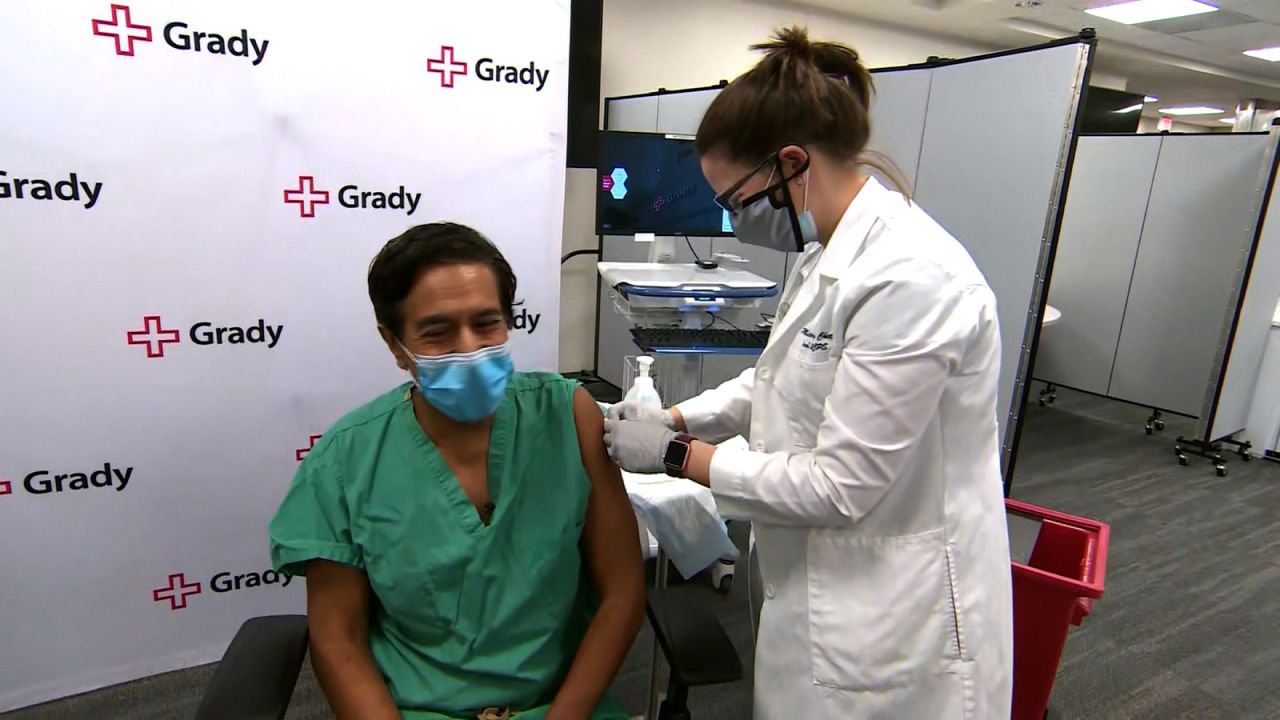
{"type": "Point", "coordinates": [676, 456]}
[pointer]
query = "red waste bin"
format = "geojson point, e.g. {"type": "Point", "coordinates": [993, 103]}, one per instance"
{"type": "Point", "coordinates": [1059, 569]}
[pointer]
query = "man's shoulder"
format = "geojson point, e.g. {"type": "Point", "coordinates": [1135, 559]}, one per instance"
{"type": "Point", "coordinates": [335, 447]}
{"type": "Point", "coordinates": [541, 382]}
{"type": "Point", "coordinates": [373, 411]}
{"type": "Point", "coordinates": [542, 394]}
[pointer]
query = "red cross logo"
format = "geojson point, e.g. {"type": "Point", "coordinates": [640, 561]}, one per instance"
{"type": "Point", "coordinates": [5, 487]}
{"type": "Point", "coordinates": [446, 66]}
{"type": "Point", "coordinates": [176, 592]}
{"type": "Point", "coordinates": [122, 29]}
{"type": "Point", "coordinates": [153, 335]}
{"type": "Point", "coordinates": [307, 196]}
{"type": "Point", "coordinates": [302, 452]}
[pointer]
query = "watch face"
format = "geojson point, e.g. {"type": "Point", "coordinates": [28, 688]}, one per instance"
{"type": "Point", "coordinates": [676, 452]}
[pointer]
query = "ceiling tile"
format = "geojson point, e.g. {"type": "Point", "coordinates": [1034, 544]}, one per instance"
{"type": "Point", "coordinates": [1266, 10]}
{"type": "Point", "coordinates": [1204, 21]}
{"type": "Point", "coordinates": [1239, 37]}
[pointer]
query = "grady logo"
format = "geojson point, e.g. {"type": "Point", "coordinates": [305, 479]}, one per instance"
{"type": "Point", "coordinates": [177, 35]}
{"type": "Point", "coordinates": [177, 590]}
{"type": "Point", "coordinates": [306, 196]}
{"type": "Point", "coordinates": [155, 336]}
{"type": "Point", "coordinates": [524, 320]}
{"type": "Point", "coordinates": [487, 69]}
{"type": "Point", "coordinates": [47, 482]}
{"type": "Point", "coordinates": [73, 189]}
{"type": "Point", "coordinates": [301, 453]}
{"type": "Point", "coordinates": [662, 201]}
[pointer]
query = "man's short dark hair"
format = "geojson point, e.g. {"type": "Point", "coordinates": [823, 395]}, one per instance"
{"type": "Point", "coordinates": [400, 263]}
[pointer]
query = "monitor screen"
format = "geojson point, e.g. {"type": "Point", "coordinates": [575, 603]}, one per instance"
{"type": "Point", "coordinates": [651, 183]}
{"type": "Point", "coordinates": [1110, 111]}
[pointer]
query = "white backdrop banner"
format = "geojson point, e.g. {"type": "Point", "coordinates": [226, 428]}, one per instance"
{"type": "Point", "coordinates": [190, 195]}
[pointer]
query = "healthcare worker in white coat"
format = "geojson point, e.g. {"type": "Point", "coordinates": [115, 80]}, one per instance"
{"type": "Point", "coordinates": [872, 476]}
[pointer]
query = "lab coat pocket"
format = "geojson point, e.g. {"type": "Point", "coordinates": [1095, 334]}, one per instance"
{"type": "Point", "coordinates": [805, 386]}
{"type": "Point", "coordinates": [880, 611]}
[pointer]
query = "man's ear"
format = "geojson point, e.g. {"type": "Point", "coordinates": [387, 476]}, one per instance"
{"type": "Point", "coordinates": [394, 346]}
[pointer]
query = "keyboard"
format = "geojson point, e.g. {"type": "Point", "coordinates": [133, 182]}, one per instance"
{"type": "Point", "coordinates": [693, 340]}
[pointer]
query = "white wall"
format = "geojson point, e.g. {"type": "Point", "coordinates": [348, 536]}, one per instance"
{"type": "Point", "coordinates": [1111, 82]}
{"type": "Point", "coordinates": [686, 43]}
{"type": "Point", "coordinates": [689, 43]}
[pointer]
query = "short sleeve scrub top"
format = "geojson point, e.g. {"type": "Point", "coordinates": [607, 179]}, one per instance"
{"type": "Point", "coordinates": [466, 615]}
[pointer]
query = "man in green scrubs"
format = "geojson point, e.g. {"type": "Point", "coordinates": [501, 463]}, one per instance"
{"type": "Point", "coordinates": [467, 543]}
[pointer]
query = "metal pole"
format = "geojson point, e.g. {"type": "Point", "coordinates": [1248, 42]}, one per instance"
{"type": "Point", "coordinates": [659, 582]}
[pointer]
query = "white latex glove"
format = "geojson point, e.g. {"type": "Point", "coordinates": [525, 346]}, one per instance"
{"type": "Point", "coordinates": [636, 411]}
{"type": "Point", "coordinates": [637, 445]}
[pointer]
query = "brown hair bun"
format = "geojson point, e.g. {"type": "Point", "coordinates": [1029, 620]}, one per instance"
{"type": "Point", "coordinates": [802, 92]}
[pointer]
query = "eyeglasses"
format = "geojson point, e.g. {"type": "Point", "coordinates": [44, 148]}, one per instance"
{"type": "Point", "coordinates": [729, 200]}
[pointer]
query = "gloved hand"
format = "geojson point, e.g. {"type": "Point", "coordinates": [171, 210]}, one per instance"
{"type": "Point", "coordinates": [637, 445]}
{"type": "Point", "coordinates": [647, 413]}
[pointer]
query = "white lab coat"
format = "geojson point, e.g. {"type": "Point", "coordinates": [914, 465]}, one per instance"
{"type": "Point", "coordinates": [873, 478]}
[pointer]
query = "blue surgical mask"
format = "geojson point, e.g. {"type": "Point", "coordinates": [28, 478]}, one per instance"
{"type": "Point", "coordinates": [466, 387]}
{"type": "Point", "coordinates": [777, 228]}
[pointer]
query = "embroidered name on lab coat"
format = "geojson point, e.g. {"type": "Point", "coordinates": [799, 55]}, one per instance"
{"type": "Point", "coordinates": [817, 345]}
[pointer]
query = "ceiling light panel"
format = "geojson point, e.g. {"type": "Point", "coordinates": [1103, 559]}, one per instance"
{"type": "Point", "coordinates": [1192, 110]}
{"type": "Point", "coordinates": [1270, 53]}
{"type": "Point", "coordinates": [1144, 11]}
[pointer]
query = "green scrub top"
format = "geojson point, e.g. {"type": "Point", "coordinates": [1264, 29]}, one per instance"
{"type": "Point", "coordinates": [466, 615]}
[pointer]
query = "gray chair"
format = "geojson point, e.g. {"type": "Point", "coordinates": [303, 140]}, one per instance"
{"type": "Point", "coordinates": [258, 672]}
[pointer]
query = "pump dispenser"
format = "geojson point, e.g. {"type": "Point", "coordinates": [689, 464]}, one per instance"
{"type": "Point", "coordinates": [642, 390]}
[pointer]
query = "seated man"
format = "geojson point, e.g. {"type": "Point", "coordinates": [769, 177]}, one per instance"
{"type": "Point", "coordinates": [467, 542]}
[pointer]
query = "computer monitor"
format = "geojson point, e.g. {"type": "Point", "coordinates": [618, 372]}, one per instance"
{"type": "Point", "coordinates": [1110, 111]}
{"type": "Point", "coordinates": [652, 183]}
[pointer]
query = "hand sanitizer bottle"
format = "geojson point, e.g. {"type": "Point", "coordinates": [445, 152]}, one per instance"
{"type": "Point", "coordinates": [642, 390]}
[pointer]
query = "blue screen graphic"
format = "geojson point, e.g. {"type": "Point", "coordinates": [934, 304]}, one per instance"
{"type": "Point", "coordinates": [654, 184]}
